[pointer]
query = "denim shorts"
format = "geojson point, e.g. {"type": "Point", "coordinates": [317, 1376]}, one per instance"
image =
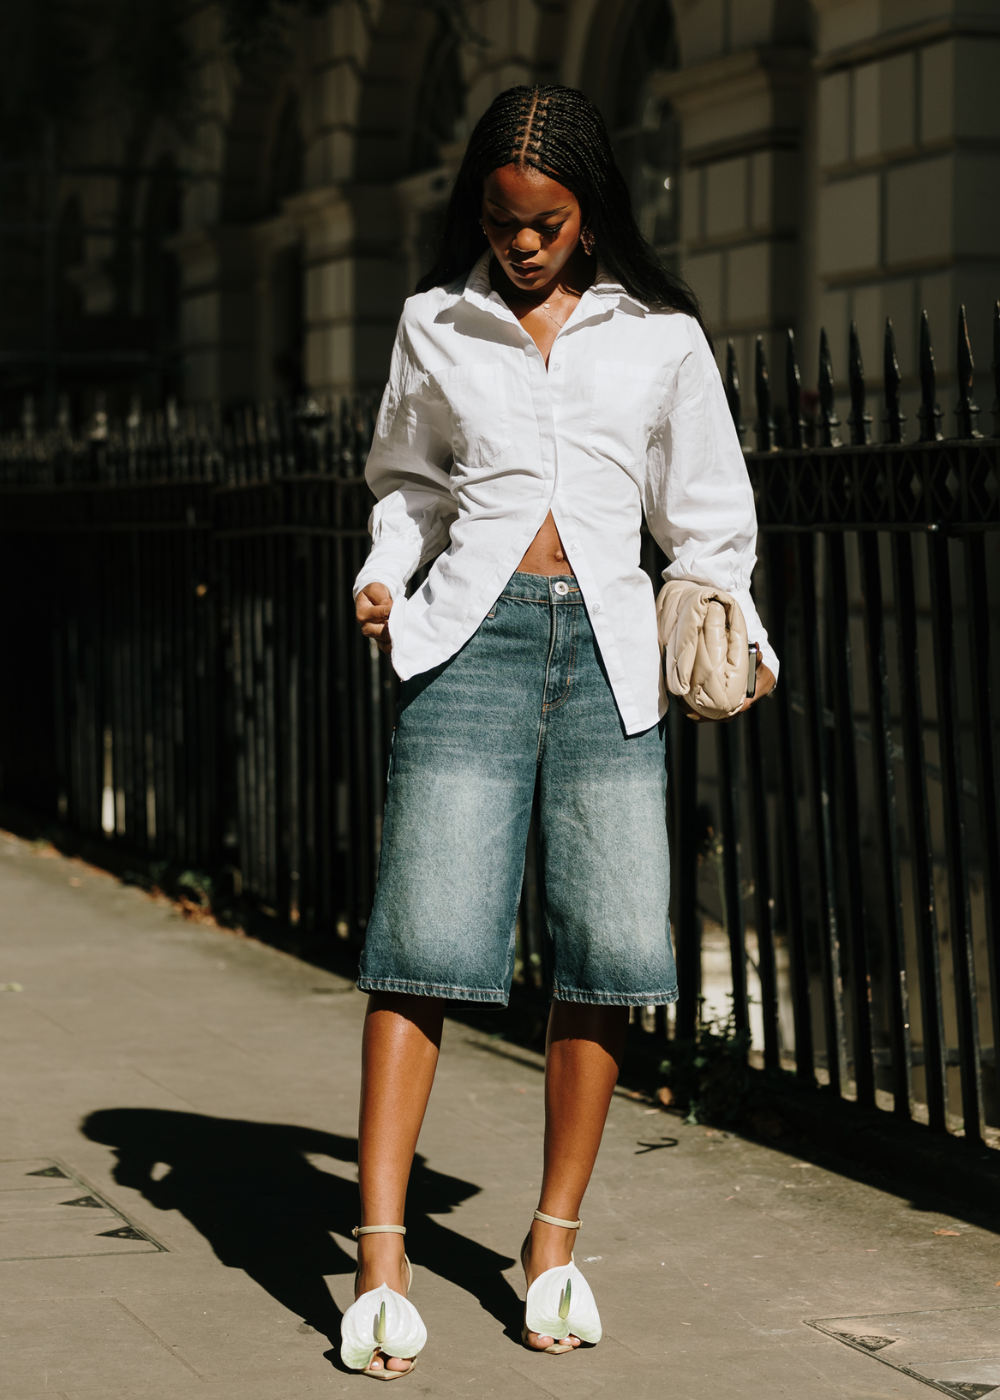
{"type": "Point", "coordinates": [524, 709]}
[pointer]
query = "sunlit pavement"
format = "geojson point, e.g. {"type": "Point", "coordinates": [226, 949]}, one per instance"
{"type": "Point", "coordinates": [178, 1125]}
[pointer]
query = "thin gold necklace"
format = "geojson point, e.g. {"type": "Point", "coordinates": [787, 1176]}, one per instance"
{"type": "Point", "coordinates": [542, 306]}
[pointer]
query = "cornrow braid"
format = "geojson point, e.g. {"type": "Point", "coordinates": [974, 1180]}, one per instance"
{"type": "Point", "coordinates": [559, 132]}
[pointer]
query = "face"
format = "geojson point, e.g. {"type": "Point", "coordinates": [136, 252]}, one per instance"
{"type": "Point", "coordinates": [532, 223]}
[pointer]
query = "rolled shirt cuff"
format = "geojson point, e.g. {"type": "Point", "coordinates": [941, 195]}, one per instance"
{"type": "Point", "coordinates": [376, 570]}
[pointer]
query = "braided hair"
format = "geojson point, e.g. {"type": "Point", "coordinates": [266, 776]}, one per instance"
{"type": "Point", "coordinates": [559, 132]}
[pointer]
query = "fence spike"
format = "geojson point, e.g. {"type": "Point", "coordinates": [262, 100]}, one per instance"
{"type": "Point", "coordinates": [828, 420]}
{"type": "Point", "coordinates": [793, 386]}
{"type": "Point", "coordinates": [966, 410]}
{"type": "Point", "coordinates": [733, 391]}
{"type": "Point", "coordinates": [859, 419]}
{"type": "Point", "coordinates": [893, 418]}
{"type": "Point", "coordinates": [996, 370]}
{"type": "Point", "coordinates": [764, 426]}
{"type": "Point", "coordinates": [929, 414]}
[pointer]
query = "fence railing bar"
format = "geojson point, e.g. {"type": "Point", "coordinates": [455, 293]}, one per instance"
{"type": "Point", "coordinates": [688, 927]}
{"type": "Point", "coordinates": [273, 638]}
{"type": "Point", "coordinates": [732, 387]}
{"type": "Point", "coordinates": [729, 767]}
{"type": "Point", "coordinates": [793, 390]}
{"type": "Point", "coordinates": [995, 366]}
{"type": "Point", "coordinates": [848, 810]}
{"type": "Point", "coordinates": [788, 807]}
{"type": "Point", "coordinates": [980, 655]}
{"type": "Point", "coordinates": [894, 943]}
{"type": "Point", "coordinates": [820, 802]}
{"type": "Point", "coordinates": [929, 413]}
{"type": "Point", "coordinates": [966, 410]}
{"type": "Point", "coordinates": [893, 419]}
{"type": "Point", "coordinates": [956, 858]}
{"type": "Point", "coordinates": [860, 420]}
{"type": "Point", "coordinates": [920, 842]}
{"type": "Point", "coordinates": [764, 426]}
{"type": "Point", "coordinates": [828, 420]}
{"type": "Point", "coordinates": [760, 855]}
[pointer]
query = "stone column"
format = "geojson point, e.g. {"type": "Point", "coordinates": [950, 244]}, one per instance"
{"type": "Point", "coordinates": [743, 115]}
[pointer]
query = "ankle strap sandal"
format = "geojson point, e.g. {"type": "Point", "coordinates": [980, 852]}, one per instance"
{"type": "Point", "coordinates": [382, 1323]}
{"type": "Point", "coordinates": [559, 1302]}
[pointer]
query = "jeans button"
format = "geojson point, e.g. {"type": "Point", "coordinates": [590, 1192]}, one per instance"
{"type": "Point", "coordinates": [561, 588]}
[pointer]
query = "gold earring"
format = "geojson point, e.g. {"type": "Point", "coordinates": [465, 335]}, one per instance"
{"type": "Point", "coordinates": [587, 239]}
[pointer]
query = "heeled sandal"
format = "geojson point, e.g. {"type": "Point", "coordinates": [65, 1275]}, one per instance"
{"type": "Point", "coordinates": [559, 1302]}
{"type": "Point", "coordinates": [381, 1322]}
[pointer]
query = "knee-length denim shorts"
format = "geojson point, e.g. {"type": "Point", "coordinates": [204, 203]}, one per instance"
{"type": "Point", "coordinates": [524, 710]}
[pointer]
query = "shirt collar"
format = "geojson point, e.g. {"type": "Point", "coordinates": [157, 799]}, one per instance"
{"type": "Point", "coordinates": [478, 291]}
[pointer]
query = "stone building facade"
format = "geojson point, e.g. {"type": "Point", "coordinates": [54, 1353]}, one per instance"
{"type": "Point", "coordinates": [802, 162]}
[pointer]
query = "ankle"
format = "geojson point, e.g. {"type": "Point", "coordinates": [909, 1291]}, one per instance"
{"type": "Point", "coordinates": [547, 1247]}
{"type": "Point", "coordinates": [380, 1260]}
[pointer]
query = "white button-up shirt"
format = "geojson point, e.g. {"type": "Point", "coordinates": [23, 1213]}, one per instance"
{"type": "Point", "coordinates": [476, 442]}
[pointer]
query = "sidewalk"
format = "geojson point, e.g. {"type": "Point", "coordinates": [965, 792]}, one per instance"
{"type": "Point", "coordinates": [177, 1125]}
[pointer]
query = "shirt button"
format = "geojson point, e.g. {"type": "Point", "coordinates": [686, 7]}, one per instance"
{"type": "Point", "coordinates": [596, 608]}
{"type": "Point", "coordinates": [557, 365]}
{"type": "Point", "coordinates": [561, 588]}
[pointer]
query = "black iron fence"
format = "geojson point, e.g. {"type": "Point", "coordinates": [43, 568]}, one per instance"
{"type": "Point", "coordinates": [184, 678]}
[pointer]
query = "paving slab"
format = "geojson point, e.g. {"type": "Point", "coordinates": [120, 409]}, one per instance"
{"type": "Point", "coordinates": [201, 1090]}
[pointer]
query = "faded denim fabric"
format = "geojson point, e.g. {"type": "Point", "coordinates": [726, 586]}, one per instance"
{"type": "Point", "coordinates": [525, 703]}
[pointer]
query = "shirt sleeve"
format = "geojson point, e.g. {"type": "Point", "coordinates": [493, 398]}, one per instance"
{"type": "Point", "coordinates": [409, 472]}
{"type": "Point", "coordinates": [699, 503]}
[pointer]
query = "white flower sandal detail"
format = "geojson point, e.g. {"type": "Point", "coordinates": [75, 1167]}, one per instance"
{"type": "Point", "coordinates": [559, 1302]}
{"type": "Point", "coordinates": [381, 1324]}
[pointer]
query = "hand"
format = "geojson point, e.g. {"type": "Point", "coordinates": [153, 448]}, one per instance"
{"type": "Point", "coordinates": [765, 684]}
{"type": "Point", "coordinates": [372, 607]}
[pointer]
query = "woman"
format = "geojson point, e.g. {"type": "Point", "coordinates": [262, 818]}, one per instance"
{"type": "Point", "coordinates": [551, 385]}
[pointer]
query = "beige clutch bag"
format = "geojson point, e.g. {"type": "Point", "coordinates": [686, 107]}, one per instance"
{"type": "Point", "coordinates": [706, 650]}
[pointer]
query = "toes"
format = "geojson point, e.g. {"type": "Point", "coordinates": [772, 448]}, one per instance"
{"type": "Point", "coordinates": [540, 1342]}
{"type": "Point", "coordinates": [379, 1362]}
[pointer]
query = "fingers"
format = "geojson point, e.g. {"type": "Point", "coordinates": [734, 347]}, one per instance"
{"type": "Point", "coordinates": [765, 684]}
{"type": "Point", "coordinates": [372, 608]}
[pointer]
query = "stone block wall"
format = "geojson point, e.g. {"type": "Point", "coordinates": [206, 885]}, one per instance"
{"type": "Point", "coordinates": [839, 161]}
{"type": "Point", "coordinates": [908, 153]}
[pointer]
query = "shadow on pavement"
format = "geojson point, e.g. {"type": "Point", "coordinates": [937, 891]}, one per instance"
{"type": "Point", "coordinates": [252, 1192]}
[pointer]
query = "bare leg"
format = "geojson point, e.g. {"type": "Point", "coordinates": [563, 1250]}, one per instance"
{"type": "Point", "coordinates": [398, 1058]}
{"type": "Point", "coordinates": [583, 1053]}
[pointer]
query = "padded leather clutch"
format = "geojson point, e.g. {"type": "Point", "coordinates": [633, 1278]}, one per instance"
{"type": "Point", "coordinates": [706, 650]}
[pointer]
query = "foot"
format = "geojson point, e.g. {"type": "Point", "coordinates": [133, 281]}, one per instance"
{"type": "Point", "coordinates": [381, 1260]}
{"type": "Point", "coordinates": [547, 1247]}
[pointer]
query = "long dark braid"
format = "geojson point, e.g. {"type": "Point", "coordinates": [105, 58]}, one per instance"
{"type": "Point", "coordinates": [559, 132]}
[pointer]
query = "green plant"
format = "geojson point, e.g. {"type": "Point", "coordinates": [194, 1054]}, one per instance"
{"type": "Point", "coordinates": [708, 1076]}
{"type": "Point", "coordinates": [196, 887]}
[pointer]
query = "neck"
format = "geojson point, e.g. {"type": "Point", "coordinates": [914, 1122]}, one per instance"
{"type": "Point", "coordinates": [573, 279]}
